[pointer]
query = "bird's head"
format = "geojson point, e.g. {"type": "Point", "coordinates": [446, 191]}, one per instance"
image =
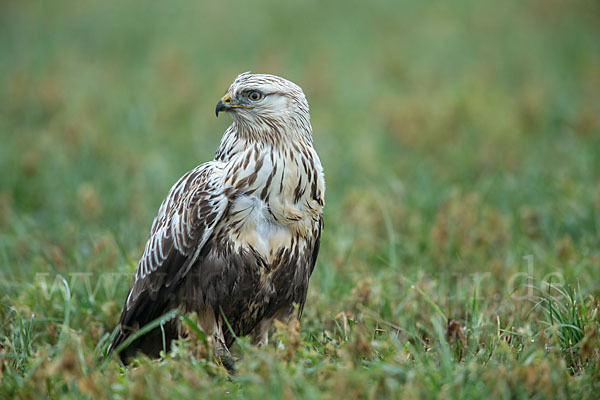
{"type": "Point", "coordinates": [263, 102]}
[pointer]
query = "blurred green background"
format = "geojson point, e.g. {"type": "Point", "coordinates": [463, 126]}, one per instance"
{"type": "Point", "coordinates": [457, 138]}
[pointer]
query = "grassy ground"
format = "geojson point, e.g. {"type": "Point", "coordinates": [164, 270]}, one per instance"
{"type": "Point", "coordinates": [461, 144]}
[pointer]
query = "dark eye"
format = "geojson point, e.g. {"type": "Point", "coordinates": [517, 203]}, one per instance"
{"type": "Point", "coordinates": [255, 96]}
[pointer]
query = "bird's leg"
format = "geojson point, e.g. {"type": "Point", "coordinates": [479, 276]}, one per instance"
{"type": "Point", "coordinates": [221, 351]}
{"type": "Point", "coordinates": [260, 334]}
{"type": "Point", "coordinates": [213, 328]}
{"type": "Point", "coordinates": [223, 354]}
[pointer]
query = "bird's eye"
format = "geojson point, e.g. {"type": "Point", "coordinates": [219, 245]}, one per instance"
{"type": "Point", "coordinates": [255, 96]}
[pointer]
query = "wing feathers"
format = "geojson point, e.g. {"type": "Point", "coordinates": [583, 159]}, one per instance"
{"type": "Point", "coordinates": [186, 220]}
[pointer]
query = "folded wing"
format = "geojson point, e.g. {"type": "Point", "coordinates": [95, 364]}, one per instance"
{"type": "Point", "coordinates": [185, 222]}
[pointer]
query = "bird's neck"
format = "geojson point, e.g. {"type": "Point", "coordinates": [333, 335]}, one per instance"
{"type": "Point", "coordinates": [240, 135]}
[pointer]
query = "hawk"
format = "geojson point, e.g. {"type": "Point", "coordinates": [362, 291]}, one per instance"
{"type": "Point", "coordinates": [236, 239]}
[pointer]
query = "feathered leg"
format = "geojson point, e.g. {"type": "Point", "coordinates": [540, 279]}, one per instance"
{"type": "Point", "coordinates": [214, 328]}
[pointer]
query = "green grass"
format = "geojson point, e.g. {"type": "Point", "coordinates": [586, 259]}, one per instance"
{"type": "Point", "coordinates": [461, 145]}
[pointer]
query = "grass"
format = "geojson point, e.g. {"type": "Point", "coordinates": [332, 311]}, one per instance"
{"type": "Point", "coordinates": [461, 145]}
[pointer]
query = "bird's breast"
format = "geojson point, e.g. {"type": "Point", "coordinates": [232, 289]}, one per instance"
{"type": "Point", "coordinates": [256, 229]}
{"type": "Point", "coordinates": [273, 206]}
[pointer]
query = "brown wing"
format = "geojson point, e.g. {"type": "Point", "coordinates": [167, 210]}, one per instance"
{"type": "Point", "coordinates": [185, 221]}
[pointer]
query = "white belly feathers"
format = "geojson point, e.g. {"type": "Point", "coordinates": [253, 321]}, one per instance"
{"type": "Point", "coordinates": [256, 227]}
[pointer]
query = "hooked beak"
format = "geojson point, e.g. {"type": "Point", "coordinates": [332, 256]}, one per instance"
{"type": "Point", "coordinates": [221, 106]}
{"type": "Point", "coordinates": [226, 104]}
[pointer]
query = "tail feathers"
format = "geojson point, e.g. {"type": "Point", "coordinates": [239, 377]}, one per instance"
{"type": "Point", "coordinates": [151, 343]}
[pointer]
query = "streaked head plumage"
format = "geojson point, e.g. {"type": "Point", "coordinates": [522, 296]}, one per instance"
{"type": "Point", "coordinates": [259, 99]}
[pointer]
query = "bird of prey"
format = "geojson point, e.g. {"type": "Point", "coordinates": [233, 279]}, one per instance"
{"type": "Point", "coordinates": [236, 239]}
